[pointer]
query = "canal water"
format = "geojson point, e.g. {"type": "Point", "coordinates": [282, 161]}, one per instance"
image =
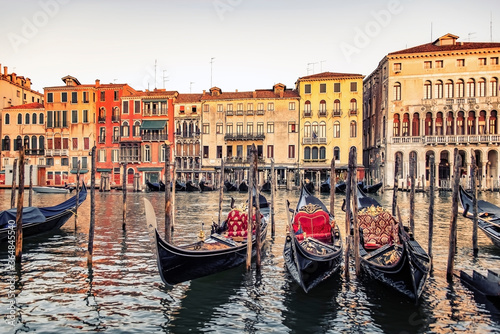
{"type": "Point", "coordinates": [56, 292]}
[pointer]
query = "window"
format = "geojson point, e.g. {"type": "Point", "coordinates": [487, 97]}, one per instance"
{"type": "Point", "coordinates": [27, 119]}
{"type": "Point", "coordinates": [230, 107]}
{"type": "Point", "coordinates": [494, 86]}
{"type": "Point", "coordinates": [218, 154]}
{"type": "Point", "coordinates": [336, 87]}
{"type": "Point", "coordinates": [482, 61]}
{"type": "Point", "coordinates": [220, 108]}
{"type": "Point", "coordinates": [354, 86]}
{"type": "Point", "coordinates": [85, 114]}
{"type": "Point", "coordinates": [74, 116]}
{"type": "Point", "coordinates": [353, 129]}
{"type": "Point", "coordinates": [239, 109]}
{"type": "Point", "coordinates": [125, 129]}
{"type": "Point", "coordinates": [336, 153]}
{"type": "Point", "coordinates": [427, 64]}
{"type": "Point", "coordinates": [239, 128]}
{"type": "Point", "coordinates": [19, 119]}
{"type": "Point", "coordinates": [439, 89]}
{"type": "Point", "coordinates": [218, 128]}
{"type": "Point", "coordinates": [250, 128]}
{"type": "Point", "coordinates": [322, 88]}
{"type": "Point", "coordinates": [396, 126]}
{"type": "Point", "coordinates": [205, 152]}
{"type": "Point", "coordinates": [336, 129]}
{"type": "Point", "coordinates": [116, 95]}
{"type": "Point", "coordinates": [307, 130]}
{"type": "Point", "coordinates": [125, 107]}
{"type": "Point", "coordinates": [353, 106]}
{"type": "Point", "coordinates": [494, 61]}
{"type": "Point", "coordinates": [439, 64]}
{"type": "Point", "coordinates": [260, 129]}
{"type": "Point", "coordinates": [270, 151]}
{"type": "Point", "coordinates": [250, 107]}
{"type": "Point", "coordinates": [336, 107]}
{"type": "Point", "coordinates": [102, 134]}
{"type": "Point", "coordinates": [50, 97]}
{"type": "Point", "coordinates": [292, 127]}
{"type": "Point", "coordinates": [471, 88]}
{"type": "Point", "coordinates": [74, 97]}
{"type": "Point", "coordinates": [291, 105]}
{"type": "Point", "coordinates": [101, 155]}
{"type": "Point", "coordinates": [481, 87]}
{"type": "Point", "coordinates": [103, 96]}
{"type": "Point", "coordinates": [229, 128]}
{"type": "Point", "coordinates": [260, 106]}
{"type": "Point", "coordinates": [307, 153]}
{"type": "Point", "coordinates": [291, 151]}
{"type": "Point", "coordinates": [206, 108]}
{"type": "Point", "coordinates": [270, 127]}
{"type": "Point", "coordinates": [137, 107]}
{"type": "Point", "coordinates": [449, 89]}
{"type": "Point", "coordinates": [397, 67]}
{"type": "Point", "coordinates": [49, 118]}
{"type": "Point", "coordinates": [33, 119]}
{"type": "Point", "coordinates": [307, 89]}
{"type": "Point", "coordinates": [307, 109]}
{"type": "Point", "coordinates": [270, 106]}
{"type": "Point", "coordinates": [460, 88]}
{"type": "Point", "coordinates": [322, 108]}
{"type": "Point", "coordinates": [322, 152]}
{"type": "Point", "coordinates": [7, 119]}
{"type": "Point", "coordinates": [206, 128]}
{"type": "Point", "coordinates": [147, 153]}
{"type": "Point", "coordinates": [460, 62]}
{"type": "Point", "coordinates": [397, 91]}
{"type": "Point", "coordinates": [85, 97]}
{"type": "Point", "coordinates": [428, 90]}
{"type": "Point", "coordinates": [64, 97]}
{"type": "Point", "coordinates": [115, 155]}
{"type": "Point", "coordinates": [6, 144]}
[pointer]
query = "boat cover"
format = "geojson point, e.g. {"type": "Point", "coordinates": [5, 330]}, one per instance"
{"type": "Point", "coordinates": [30, 215]}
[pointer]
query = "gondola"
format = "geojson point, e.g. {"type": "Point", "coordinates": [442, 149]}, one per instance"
{"type": "Point", "coordinates": [388, 253]}
{"type": "Point", "coordinates": [225, 248]}
{"type": "Point", "coordinates": [309, 185]}
{"type": "Point", "coordinates": [313, 246]}
{"type": "Point", "coordinates": [340, 187]}
{"type": "Point", "coordinates": [40, 220]}
{"type": "Point", "coordinates": [324, 187]}
{"type": "Point", "coordinates": [190, 186]}
{"type": "Point", "coordinates": [243, 187]}
{"type": "Point", "coordinates": [266, 187]}
{"type": "Point", "coordinates": [155, 186]}
{"type": "Point", "coordinates": [180, 186]}
{"type": "Point", "coordinates": [206, 187]}
{"type": "Point", "coordinates": [488, 217]}
{"type": "Point", "coordinates": [369, 189]}
{"type": "Point", "coordinates": [230, 186]}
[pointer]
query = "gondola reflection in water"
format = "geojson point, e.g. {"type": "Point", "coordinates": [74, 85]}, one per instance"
{"type": "Point", "coordinates": [224, 248]}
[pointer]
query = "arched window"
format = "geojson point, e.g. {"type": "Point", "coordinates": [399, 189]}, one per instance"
{"type": "Point", "coordinates": [397, 91]}
{"type": "Point", "coordinates": [494, 86]}
{"type": "Point", "coordinates": [19, 119]}
{"type": "Point", "coordinates": [7, 119]}
{"type": "Point", "coordinates": [41, 119]}
{"type": "Point", "coordinates": [439, 89]}
{"type": "Point", "coordinates": [471, 123]}
{"type": "Point", "coordinates": [482, 123]}
{"type": "Point", "coordinates": [307, 153]}
{"type": "Point", "coordinates": [493, 123]}
{"type": "Point", "coordinates": [147, 153]}
{"type": "Point", "coordinates": [137, 129]}
{"type": "Point", "coordinates": [428, 124]}
{"type": "Point", "coordinates": [449, 89]}
{"type": "Point", "coordinates": [396, 127]}
{"type": "Point", "coordinates": [33, 118]}
{"type": "Point", "coordinates": [307, 130]}
{"type": "Point", "coordinates": [460, 88]}
{"type": "Point", "coordinates": [336, 107]}
{"type": "Point", "coordinates": [322, 130]}
{"type": "Point", "coordinates": [322, 152]}
{"type": "Point", "coordinates": [102, 114]}
{"type": "Point", "coordinates": [415, 126]}
{"type": "Point", "coordinates": [34, 142]}
{"type": "Point", "coordinates": [307, 109]}
{"type": "Point", "coordinates": [354, 130]}
{"type": "Point", "coordinates": [27, 118]}
{"type": "Point", "coordinates": [450, 124]}
{"type": "Point", "coordinates": [315, 153]}
{"type": "Point", "coordinates": [6, 144]}
{"type": "Point", "coordinates": [336, 153]}
{"type": "Point", "coordinates": [18, 143]}
{"type": "Point", "coordinates": [41, 143]}
{"type": "Point", "coordinates": [26, 142]}
{"type": "Point", "coordinates": [353, 106]}
{"type": "Point", "coordinates": [427, 90]}
{"type": "Point", "coordinates": [439, 124]}
{"type": "Point", "coordinates": [481, 87]}
{"type": "Point", "coordinates": [314, 130]}
{"type": "Point", "coordinates": [125, 129]}
{"type": "Point", "coordinates": [471, 87]}
{"type": "Point", "coordinates": [322, 108]}
{"type": "Point", "coordinates": [336, 129]}
{"type": "Point", "coordinates": [406, 125]}
{"type": "Point", "coordinates": [460, 123]}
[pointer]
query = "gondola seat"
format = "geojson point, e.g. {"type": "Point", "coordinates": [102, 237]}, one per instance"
{"type": "Point", "coordinates": [378, 227]}
{"type": "Point", "coordinates": [237, 223]}
{"type": "Point", "coordinates": [314, 223]}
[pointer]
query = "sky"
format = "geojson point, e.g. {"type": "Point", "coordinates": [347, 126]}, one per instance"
{"type": "Point", "coordinates": [191, 45]}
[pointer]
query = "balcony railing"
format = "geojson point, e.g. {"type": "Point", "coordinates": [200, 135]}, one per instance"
{"type": "Point", "coordinates": [260, 112]}
{"type": "Point", "coordinates": [307, 113]}
{"type": "Point", "coordinates": [154, 136]}
{"type": "Point", "coordinates": [35, 152]}
{"type": "Point", "coordinates": [56, 152]}
{"type": "Point", "coordinates": [322, 113]}
{"type": "Point", "coordinates": [353, 112]}
{"type": "Point", "coordinates": [184, 134]}
{"type": "Point", "coordinates": [311, 140]}
{"type": "Point", "coordinates": [115, 118]}
{"type": "Point", "coordinates": [116, 139]}
{"type": "Point", "coordinates": [102, 139]}
{"type": "Point", "coordinates": [245, 136]}
{"type": "Point", "coordinates": [101, 119]}
{"type": "Point", "coordinates": [337, 112]}
{"type": "Point", "coordinates": [250, 112]}
{"type": "Point", "coordinates": [229, 113]}
{"type": "Point", "coordinates": [313, 160]}
{"type": "Point", "coordinates": [461, 139]}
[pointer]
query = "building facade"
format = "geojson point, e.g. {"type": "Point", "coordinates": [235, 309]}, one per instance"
{"type": "Point", "coordinates": [429, 100]}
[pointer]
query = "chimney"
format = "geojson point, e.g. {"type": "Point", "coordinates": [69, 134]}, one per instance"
{"type": "Point", "coordinates": [14, 77]}
{"type": "Point", "coordinates": [5, 70]}
{"type": "Point", "coordinates": [281, 94]}
{"type": "Point", "coordinates": [97, 82]}
{"type": "Point", "coordinates": [254, 94]}
{"type": "Point", "coordinates": [28, 83]}
{"type": "Point", "coordinates": [236, 91]}
{"type": "Point", "coordinates": [204, 91]}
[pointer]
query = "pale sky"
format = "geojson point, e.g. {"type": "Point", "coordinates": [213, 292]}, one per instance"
{"type": "Point", "coordinates": [254, 43]}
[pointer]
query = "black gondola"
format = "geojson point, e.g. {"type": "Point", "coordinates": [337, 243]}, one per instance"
{"type": "Point", "coordinates": [324, 187]}
{"type": "Point", "coordinates": [488, 286]}
{"type": "Point", "coordinates": [369, 189]}
{"type": "Point", "coordinates": [488, 215]}
{"type": "Point", "coordinates": [230, 186]}
{"type": "Point", "coordinates": [266, 187]}
{"type": "Point", "coordinates": [339, 187]}
{"type": "Point", "coordinates": [155, 186]}
{"type": "Point", "coordinates": [206, 187]}
{"type": "Point", "coordinates": [40, 220]}
{"type": "Point", "coordinates": [387, 252]}
{"type": "Point", "coordinates": [225, 248]}
{"type": "Point", "coordinates": [180, 186]}
{"type": "Point", "coordinates": [190, 186]}
{"type": "Point", "coordinates": [309, 185]}
{"type": "Point", "coordinates": [243, 187]}
{"type": "Point", "coordinates": [313, 247]}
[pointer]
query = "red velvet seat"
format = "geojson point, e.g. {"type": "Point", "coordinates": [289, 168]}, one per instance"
{"type": "Point", "coordinates": [379, 228]}
{"type": "Point", "coordinates": [313, 224]}
{"type": "Point", "coordinates": [237, 223]}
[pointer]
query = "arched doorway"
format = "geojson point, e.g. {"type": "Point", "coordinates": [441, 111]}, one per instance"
{"type": "Point", "coordinates": [130, 176]}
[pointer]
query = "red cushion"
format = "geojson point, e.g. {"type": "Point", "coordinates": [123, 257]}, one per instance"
{"type": "Point", "coordinates": [315, 225]}
{"type": "Point", "coordinates": [377, 229]}
{"type": "Point", "coordinates": [237, 223]}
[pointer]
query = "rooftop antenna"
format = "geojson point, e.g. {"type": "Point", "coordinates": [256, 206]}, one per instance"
{"type": "Point", "coordinates": [312, 65]}
{"type": "Point", "coordinates": [155, 73]}
{"type": "Point", "coordinates": [321, 65]}
{"type": "Point", "coordinates": [211, 70]}
{"type": "Point", "coordinates": [431, 33]}
{"type": "Point", "coordinates": [165, 78]}
{"type": "Point", "coordinates": [491, 27]}
{"type": "Point", "coordinates": [190, 85]}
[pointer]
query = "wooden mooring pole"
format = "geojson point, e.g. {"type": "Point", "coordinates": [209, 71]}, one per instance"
{"type": "Point", "coordinates": [221, 189]}
{"type": "Point", "coordinates": [124, 199]}
{"type": "Point", "coordinates": [77, 192]}
{"type": "Point", "coordinates": [30, 192]}
{"type": "Point", "coordinates": [258, 243]}
{"type": "Point", "coordinates": [174, 182]}
{"type": "Point", "coordinates": [19, 214]}
{"type": "Point", "coordinates": [90, 251]}
{"type": "Point", "coordinates": [354, 190]}
{"type": "Point", "coordinates": [348, 215]}
{"type": "Point", "coordinates": [332, 188]}
{"type": "Point", "coordinates": [473, 172]}
{"type": "Point", "coordinates": [251, 185]}
{"type": "Point", "coordinates": [432, 166]}
{"type": "Point", "coordinates": [168, 202]}
{"type": "Point", "coordinates": [453, 220]}
{"type": "Point", "coordinates": [413, 168]}
{"type": "Point", "coordinates": [13, 191]}
{"type": "Point", "coordinates": [273, 196]}
{"type": "Point", "coordinates": [395, 192]}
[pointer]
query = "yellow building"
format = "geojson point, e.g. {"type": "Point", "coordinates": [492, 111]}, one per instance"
{"type": "Point", "coordinates": [330, 122]}
{"type": "Point", "coordinates": [70, 130]}
{"type": "Point", "coordinates": [428, 100]}
{"type": "Point", "coordinates": [233, 121]}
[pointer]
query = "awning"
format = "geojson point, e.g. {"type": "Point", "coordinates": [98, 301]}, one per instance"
{"type": "Point", "coordinates": [82, 171]}
{"type": "Point", "coordinates": [101, 170]}
{"type": "Point", "coordinates": [149, 169]}
{"type": "Point", "coordinates": [153, 125]}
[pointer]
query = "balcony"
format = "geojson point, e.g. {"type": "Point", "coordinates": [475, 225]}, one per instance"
{"type": "Point", "coordinates": [116, 139]}
{"type": "Point", "coordinates": [243, 160]}
{"type": "Point", "coordinates": [35, 152]}
{"type": "Point", "coordinates": [185, 134]}
{"type": "Point", "coordinates": [260, 112]}
{"type": "Point", "coordinates": [337, 113]}
{"type": "Point", "coordinates": [101, 119]}
{"type": "Point", "coordinates": [244, 136]}
{"type": "Point", "coordinates": [229, 113]}
{"type": "Point", "coordinates": [322, 113]}
{"type": "Point", "coordinates": [249, 112]}
{"type": "Point", "coordinates": [353, 112]}
{"type": "Point", "coordinates": [56, 153]}
{"type": "Point", "coordinates": [313, 160]}
{"type": "Point", "coordinates": [311, 140]}
{"type": "Point", "coordinates": [461, 139]}
{"type": "Point", "coordinates": [102, 139]}
{"type": "Point", "coordinates": [154, 136]}
{"type": "Point", "coordinates": [407, 140]}
{"type": "Point", "coordinates": [115, 118]}
{"type": "Point", "coordinates": [307, 113]}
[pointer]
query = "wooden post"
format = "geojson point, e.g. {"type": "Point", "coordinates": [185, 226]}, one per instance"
{"type": "Point", "coordinates": [258, 243]}
{"type": "Point", "coordinates": [348, 214]}
{"type": "Point", "coordinates": [13, 191]}
{"type": "Point", "coordinates": [273, 196]}
{"type": "Point", "coordinates": [474, 203]}
{"type": "Point", "coordinates": [101, 182]}
{"type": "Point", "coordinates": [124, 199]}
{"type": "Point", "coordinates": [168, 203]}
{"type": "Point", "coordinates": [453, 221]}
{"type": "Point", "coordinates": [412, 192]}
{"type": "Point", "coordinates": [20, 202]}
{"type": "Point", "coordinates": [395, 192]}
{"type": "Point", "coordinates": [174, 182]}
{"type": "Point", "coordinates": [77, 192]}
{"type": "Point", "coordinates": [92, 209]}
{"type": "Point", "coordinates": [221, 189]}
{"type": "Point", "coordinates": [332, 187]}
{"type": "Point", "coordinates": [30, 193]}
{"type": "Point", "coordinates": [432, 166]}
{"type": "Point", "coordinates": [354, 191]}
{"type": "Point", "coordinates": [251, 185]}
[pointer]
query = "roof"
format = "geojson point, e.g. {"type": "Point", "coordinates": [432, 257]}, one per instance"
{"type": "Point", "coordinates": [188, 98]}
{"type": "Point", "coordinates": [161, 93]}
{"type": "Point", "coordinates": [153, 124]}
{"type": "Point", "coordinates": [330, 75]}
{"type": "Point", "coordinates": [34, 105]}
{"type": "Point", "coordinates": [257, 94]}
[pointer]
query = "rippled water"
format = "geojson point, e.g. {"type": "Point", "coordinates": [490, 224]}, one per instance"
{"type": "Point", "coordinates": [123, 292]}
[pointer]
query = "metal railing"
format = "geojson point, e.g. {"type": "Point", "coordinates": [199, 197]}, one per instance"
{"type": "Point", "coordinates": [56, 152]}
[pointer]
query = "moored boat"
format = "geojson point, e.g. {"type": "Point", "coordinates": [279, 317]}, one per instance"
{"type": "Point", "coordinates": [313, 246]}
{"type": "Point", "coordinates": [488, 218]}
{"type": "Point", "coordinates": [309, 185]}
{"type": "Point", "coordinates": [369, 189]}
{"type": "Point", "coordinates": [190, 186]}
{"type": "Point", "coordinates": [50, 190]}
{"type": "Point", "coordinates": [243, 187]}
{"type": "Point", "coordinates": [155, 186]}
{"type": "Point", "coordinates": [38, 220]}
{"type": "Point", "coordinates": [180, 186]}
{"type": "Point", "coordinates": [230, 186]}
{"type": "Point", "coordinates": [266, 187]}
{"type": "Point", "coordinates": [388, 253]}
{"type": "Point", "coordinates": [206, 187]}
